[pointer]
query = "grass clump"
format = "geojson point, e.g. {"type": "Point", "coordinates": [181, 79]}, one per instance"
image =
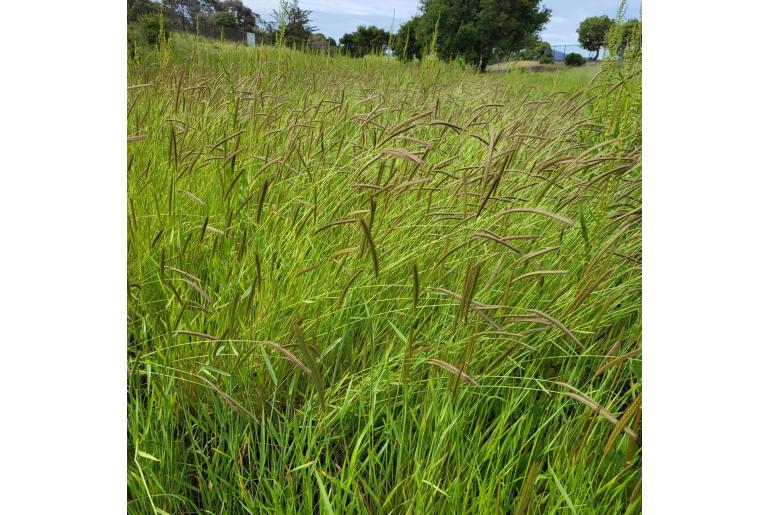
{"type": "Point", "coordinates": [363, 286]}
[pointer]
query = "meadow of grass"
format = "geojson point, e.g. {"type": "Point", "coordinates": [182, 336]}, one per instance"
{"type": "Point", "coordinates": [363, 286]}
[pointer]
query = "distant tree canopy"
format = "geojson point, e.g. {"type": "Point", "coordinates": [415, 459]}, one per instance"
{"type": "Point", "coordinates": [535, 51]}
{"type": "Point", "coordinates": [320, 43]}
{"type": "Point", "coordinates": [298, 28]}
{"type": "Point", "coordinates": [406, 42]}
{"type": "Point", "coordinates": [139, 8]}
{"type": "Point", "coordinates": [247, 19]}
{"type": "Point", "coordinates": [221, 13]}
{"type": "Point", "coordinates": [188, 10]}
{"type": "Point", "coordinates": [233, 15]}
{"type": "Point", "coordinates": [365, 40]}
{"type": "Point", "coordinates": [476, 29]}
{"type": "Point", "coordinates": [225, 19]}
{"type": "Point", "coordinates": [592, 33]}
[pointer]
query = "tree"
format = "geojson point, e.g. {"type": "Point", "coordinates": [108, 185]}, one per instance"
{"type": "Point", "coordinates": [473, 29]}
{"type": "Point", "coordinates": [247, 19]}
{"type": "Point", "coordinates": [535, 51]}
{"type": "Point", "coordinates": [298, 27]}
{"type": "Point", "coordinates": [186, 12]}
{"type": "Point", "coordinates": [208, 7]}
{"type": "Point", "coordinates": [365, 40]}
{"type": "Point", "coordinates": [138, 8]}
{"type": "Point", "coordinates": [592, 33]}
{"type": "Point", "coordinates": [405, 43]}
{"type": "Point", "coordinates": [319, 42]}
{"type": "Point", "coordinates": [182, 11]}
{"type": "Point", "coordinates": [225, 19]}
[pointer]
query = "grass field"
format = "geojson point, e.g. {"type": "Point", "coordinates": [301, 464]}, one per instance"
{"type": "Point", "coordinates": [362, 286]}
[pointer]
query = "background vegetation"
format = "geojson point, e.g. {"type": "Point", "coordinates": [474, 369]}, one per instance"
{"type": "Point", "coordinates": [477, 33]}
{"type": "Point", "coordinates": [573, 59]}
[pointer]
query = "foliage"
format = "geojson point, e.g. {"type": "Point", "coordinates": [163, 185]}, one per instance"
{"type": "Point", "coordinates": [574, 59]}
{"type": "Point", "coordinates": [247, 19]}
{"type": "Point", "coordinates": [139, 8]}
{"type": "Point", "coordinates": [225, 19]}
{"type": "Point", "coordinates": [360, 286]}
{"type": "Point", "coordinates": [290, 26]}
{"type": "Point", "coordinates": [365, 40]}
{"type": "Point", "coordinates": [545, 59]}
{"type": "Point", "coordinates": [406, 41]}
{"type": "Point", "coordinates": [630, 35]}
{"type": "Point", "coordinates": [150, 27]}
{"type": "Point", "coordinates": [535, 51]}
{"type": "Point", "coordinates": [472, 29]}
{"type": "Point", "coordinates": [279, 23]}
{"type": "Point", "coordinates": [320, 43]}
{"type": "Point", "coordinates": [619, 103]}
{"type": "Point", "coordinates": [296, 24]}
{"type": "Point", "coordinates": [592, 33]}
{"type": "Point", "coordinates": [185, 12]}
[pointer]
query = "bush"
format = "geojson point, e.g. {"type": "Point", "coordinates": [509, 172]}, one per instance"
{"type": "Point", "coordinates": [546, 59]}
{"type": "Point", "coordinates": [149, 26]}
{"type": "Point", "coordinates": [574, 59]}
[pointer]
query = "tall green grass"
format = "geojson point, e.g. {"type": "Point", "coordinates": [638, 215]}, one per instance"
{"type": "Point", "coordinates": [361, 286]}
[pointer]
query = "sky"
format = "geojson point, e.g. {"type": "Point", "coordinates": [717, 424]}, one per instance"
{"type": "Point", "coordinates": [336, 17]}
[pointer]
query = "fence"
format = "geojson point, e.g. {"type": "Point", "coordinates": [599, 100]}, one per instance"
{"type": "Point", "coordinates": [178, 22]}
{"type": "Point", "coordinates": [559, 51]}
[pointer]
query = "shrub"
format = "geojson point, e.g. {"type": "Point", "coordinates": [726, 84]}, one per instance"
{"type": "Point", "coordinates": [546, 59]}
{"type": "Point", "coordinates": [573, 59]}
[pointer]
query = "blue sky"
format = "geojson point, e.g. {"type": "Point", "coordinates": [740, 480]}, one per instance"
{"type": "Point", "coordinates": [336, 17]}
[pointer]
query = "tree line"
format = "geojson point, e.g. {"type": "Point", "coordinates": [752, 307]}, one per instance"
{"type": "Point", "coordinates": [473, 30]}
{"type": "Point", "coordinates": [594, 31]}
{"type": "Point", "coordinates": [478, 32]}
{"type": "Point", "coordinates": [290, 24]}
